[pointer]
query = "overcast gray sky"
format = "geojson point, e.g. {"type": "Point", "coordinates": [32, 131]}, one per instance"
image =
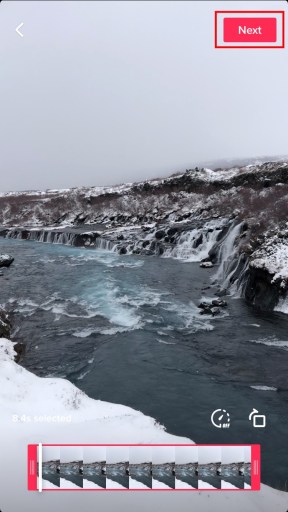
{"type": "Point", "coordinates": [207, 454]}
{"type": "Point", "coordinates": [50, 453]}
{"type": "Point", "coordinates": [115, 454]}
{"type": "Point", "coordinates": [186, 454]}
{"type": "Point", "coordinates": [232, 454]}
{"type": "Point", "coordinates": [94, 454]}
{"type": "Point", "coordinates": [140, 454]}
{"type": "Point", "coordinates": [163, 454]}
{"type": "Point", "coordinates": [99, 93]}
{"type": "Point", "coordinates": [71, 453]}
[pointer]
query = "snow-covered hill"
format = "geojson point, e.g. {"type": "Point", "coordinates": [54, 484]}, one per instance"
{"type": "Point", "coordinates": [197, 193]}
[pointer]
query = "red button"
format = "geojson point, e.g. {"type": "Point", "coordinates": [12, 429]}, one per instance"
{"type": "Point", "coordinates": [250, 30]}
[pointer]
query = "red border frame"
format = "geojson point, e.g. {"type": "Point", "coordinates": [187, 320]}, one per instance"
{"type": "Point", "coordinates": [32, 464]}
{"type": "Point", "coordinates": [255, 468]}
{"type": "Point", "coordinates": [247, 47]}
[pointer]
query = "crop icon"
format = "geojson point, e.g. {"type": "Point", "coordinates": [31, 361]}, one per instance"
{"type": "Point", "coordinates": [258, 420]}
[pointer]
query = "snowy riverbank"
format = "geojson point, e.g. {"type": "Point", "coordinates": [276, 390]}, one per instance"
{"type": "Point", "coordinates": [27, 396]}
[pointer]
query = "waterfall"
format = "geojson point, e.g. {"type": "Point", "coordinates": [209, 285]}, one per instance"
{"type": "Point", "coordinates": [52, 237]}
{"type": "Point", "coordinates": [105, 245]}
{"type": "Point", "coordinates": [216, 239]}
{"type": "Point", "coordinates": [233, 271]}
{"type": "Point", "coordinates": [62, 238]}
{"type": "Point", "coordinates": [194, 245]}
{"type": "Point", "coordinates": [226, 256]}
{"type": "Point", "coordinates": [282, 306]}
{"type": "Point", "coordinates": [14, 233]}
{"type": "Point", "coordinates": [237, 279]}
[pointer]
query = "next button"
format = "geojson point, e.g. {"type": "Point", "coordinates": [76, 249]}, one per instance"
{"type": "Point", "coordinates": [250, 30]}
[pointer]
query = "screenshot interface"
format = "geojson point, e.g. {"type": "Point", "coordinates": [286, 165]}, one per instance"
{"type": "Point", "coordinates": [143, 255]}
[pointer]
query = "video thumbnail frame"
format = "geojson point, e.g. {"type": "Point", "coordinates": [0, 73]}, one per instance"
{"type": "Point", "coordinates": [162, 467]}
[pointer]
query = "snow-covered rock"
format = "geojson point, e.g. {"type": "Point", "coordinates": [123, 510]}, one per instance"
{"type": "Point", "coordinates": [272, 257]}
{"type": "Point", "coordinates": [6, 260]}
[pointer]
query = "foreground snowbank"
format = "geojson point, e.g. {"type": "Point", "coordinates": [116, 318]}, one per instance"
{"type": "Point", "coordinates": [26, 398]}
{"type": "Point", "coordinates": [92, 421]}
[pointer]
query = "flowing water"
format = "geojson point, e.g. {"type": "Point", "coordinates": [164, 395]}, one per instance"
{"type": "Point", "coordinates": [142, 474]}
{"type": "Point", "coordinates": [126, 329]}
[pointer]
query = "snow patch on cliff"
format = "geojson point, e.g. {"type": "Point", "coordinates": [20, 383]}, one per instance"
{"type": "Point", "coordinates": [273, 257]}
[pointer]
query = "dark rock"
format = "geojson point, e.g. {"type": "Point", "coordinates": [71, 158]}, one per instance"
{"type": "Point", "coordinates": [160, 234]}
{"type": "Point", "coordinates": [6, 260]}
{"type": "Point", "coordinates": [221, 293]}
{"type": "Point", "coordinates": [80, 218]}
{"type": "Point", "coordinates": [206, 311]}
{"type": "Point", "coordinates": [123, 250]}
{"type": "Point", "coordinates": [5, 325]}
{"type": "Point", "coordinates": [24, 234]}
{"type": "Point", "coordinates": [206, 308]}
{"type": "Point", "coordinates": [145, 243]}
{"type": "Point", "coordinates": [206, 264]}
{"type": "Point", "coordinates": [19, 349]}
{"type": "Point", "coordinates": [85, 239]}
{"type": "Point", "coordinates": [204, 305]}
{"type": "Point", "coordinates": [219, 303]}
{"type": "Point", "coordinates": [198, 241]}
{"type": "Point", "coordinates": [120, 237]}
{"type": "Point", "coordinates": [260, 291]}
{"type": "Point", "coordinates": [172, 231]}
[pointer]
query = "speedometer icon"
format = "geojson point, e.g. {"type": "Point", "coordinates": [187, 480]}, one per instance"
{"type": "Point", "coordinates": [220, 418]}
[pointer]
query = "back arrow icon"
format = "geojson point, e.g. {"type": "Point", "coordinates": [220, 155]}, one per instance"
{"type": "Point", "coordinates": [18, 30]}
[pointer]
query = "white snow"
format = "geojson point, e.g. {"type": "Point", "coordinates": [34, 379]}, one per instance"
{"type": "Point", "coordinates": [22, 394]}
{"type": "Point", "coordinates": [48, 485]}
{"type": "Point", "coordinates": [111, 484]}
{"type": "Point", "coordinates": [134, 484]}
{"type": "Point", "coordinates": [227, 485]}
{"type": "Point", "coordinates": [204, 485]}
{"type": "Point", "coordinates": [264, 388]}
{"type": "Point", "coordinates": [66, 484]}
{"type": "Point", "coordinates": [4, 258]}
{"type": "Point", "coordinates": [182, 485]}
{"type": "Point", "coordinates": [87, 484]}
{"type": "Point", "coordinates": [159, 485]}
{"type": "Point", "coordinates": [273, 257]}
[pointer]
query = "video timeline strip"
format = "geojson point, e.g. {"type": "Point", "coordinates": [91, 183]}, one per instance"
{"type": "Point", "coordinates": [143, 467]}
